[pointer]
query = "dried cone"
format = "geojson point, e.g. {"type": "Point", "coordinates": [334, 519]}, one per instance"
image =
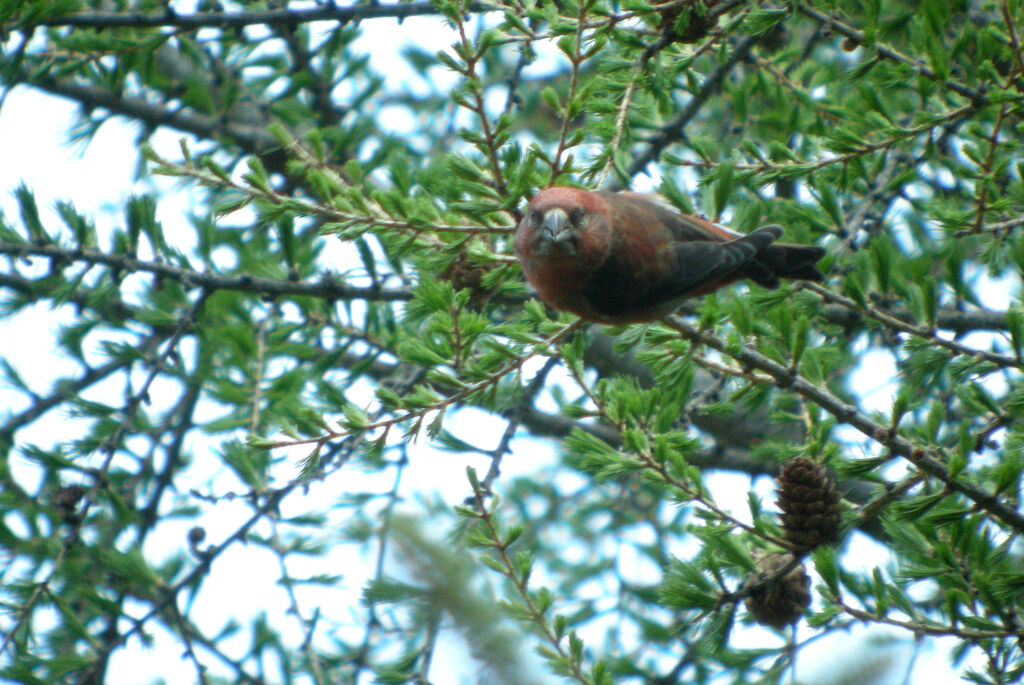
{"type": "Point", "coordinates": [66, 501]}
{"type": "Point", "coordinates": [463, 274]}
{"type": "Point", "coordinates": [698, 23]}
{"type": "Point", "coordinates": [782, 601]}
{"type": "Point", "coordinates": [809, 504]}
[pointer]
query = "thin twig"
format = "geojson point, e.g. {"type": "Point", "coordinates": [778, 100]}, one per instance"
{"type": "Point", "coordinates": [230, 20]}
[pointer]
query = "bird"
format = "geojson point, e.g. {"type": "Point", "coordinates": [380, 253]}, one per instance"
{"type": "Point", "coordinates": [624, 257]}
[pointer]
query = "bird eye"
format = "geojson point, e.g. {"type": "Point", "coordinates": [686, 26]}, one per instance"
{"type": "Point", "coordinates": [576, 216]}
{"type": "Point", "coordinates": [535, 216]}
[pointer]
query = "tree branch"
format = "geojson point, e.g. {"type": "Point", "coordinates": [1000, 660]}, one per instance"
{"type": "Point", "coordinates": [930, 460]}
{"type": "Point", "coordinates": [889, 53]}
{"type": "Point", "coordinates": [326, 288]}
{"type": "Point", "coordinates": [230, 20]}
{"type": "Point", "coordinates": [947, 318]}
{"type": "Point", "coordinates": [252, 139]}
{"type": "Point", "coordinates": [673, 130]}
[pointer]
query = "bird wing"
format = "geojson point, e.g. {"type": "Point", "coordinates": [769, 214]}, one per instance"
{"type": "Point", "coordinates": [692, 265]}
{"type": "Point", "coordinates": [697, 263]}
{"type": "Point", "coordinates": [700, 264]}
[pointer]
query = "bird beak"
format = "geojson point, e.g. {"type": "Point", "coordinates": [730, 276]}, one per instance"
{"type": "Point", "coordinates": [556, 226]}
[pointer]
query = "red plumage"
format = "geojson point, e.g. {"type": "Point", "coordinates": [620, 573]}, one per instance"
{"type": "Point", "coordinates": [628, 257]}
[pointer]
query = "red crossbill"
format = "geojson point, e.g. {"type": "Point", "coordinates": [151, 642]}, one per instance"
{"type": "Point", "coordinates": [626, 257]}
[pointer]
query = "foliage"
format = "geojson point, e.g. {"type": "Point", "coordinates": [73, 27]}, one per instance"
{"type": "Point", "coordinates": [341, 308]}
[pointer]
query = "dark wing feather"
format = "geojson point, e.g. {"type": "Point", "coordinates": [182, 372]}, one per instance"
{"type": "Point", "coordinates": [699, 264]}
{"type": "Point", "coordinates": [695, 264]}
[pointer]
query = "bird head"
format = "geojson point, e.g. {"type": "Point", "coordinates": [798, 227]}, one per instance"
{"type": "Point", "coordinates": [563, 223]}
{"type": "Point", "coordinates": [556, 229]}
{"type": "Point", "coordinates": [564, 237]}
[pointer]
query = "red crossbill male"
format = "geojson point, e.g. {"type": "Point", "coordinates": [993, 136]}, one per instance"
{"type": "Point", "coordinates": [627, 257]}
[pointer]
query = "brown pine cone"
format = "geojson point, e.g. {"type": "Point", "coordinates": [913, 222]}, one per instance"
{"type": "Point", "coordinates": [782, 601]}
{"type": "Point", "coordinates": [697, 24]}
{"type": "Point", "coordinates": [809, 504]}
{"type": "Point", "coordinates": [66, 501]}
{"type": "Point", "coordinates": [464, 274]}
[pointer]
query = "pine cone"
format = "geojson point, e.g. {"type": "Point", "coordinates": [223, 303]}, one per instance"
{"type": "Point", "coordinates": [698, 24]}
{"type": "Point", "coordinates": [464, 274]}
{"type": "Point", "coordinates": [66, 500]}
{"type": "Point", "coordinates": [783, 601]}
{"type": "Point", "coordinates": [809, 504]}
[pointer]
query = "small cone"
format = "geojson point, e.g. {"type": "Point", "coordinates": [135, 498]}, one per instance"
{"type": "Point", "coordinates": [783, 601]}
{"type": "Point", "coordinates": [463, 274]}
{"type": "Point", "coordinates": [66, 501]}
{"type": "Point", "coordinates": [698, 23]}
{"type": "Point", "coordinates": [809, 504]}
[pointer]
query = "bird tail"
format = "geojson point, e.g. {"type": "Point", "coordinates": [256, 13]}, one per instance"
{"type": "Point", "coordinates": [781, 261]}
